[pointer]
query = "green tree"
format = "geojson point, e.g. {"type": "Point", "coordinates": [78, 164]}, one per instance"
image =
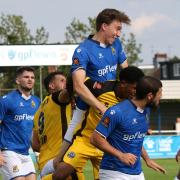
{"type": "Point", "coordinates": [78, 31]}
{"type": "Point", "coordinates": [175, 58]}
{"type": "Point", "coordinates": [14, 30]}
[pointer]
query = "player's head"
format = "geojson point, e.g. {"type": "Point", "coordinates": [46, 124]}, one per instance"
{"type": "Point", "coordinates": [109, 22]}
{"type": "Point", "coordinates": [55, 81]}
{"type": "Point", "coordinates": [128, 79]}
{"type": "Point", "coordinates": [150, 89]}
{"type": "Point", "coordinates": [25, 78]}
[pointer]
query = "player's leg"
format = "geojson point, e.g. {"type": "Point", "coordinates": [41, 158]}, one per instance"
{"type": "Point", "coordinates": [74, 160]}
{"type": "Point", "coordinates": [62, 171]}
{"type": "Point", "coordinates": [96, 160]}
{"type": "Point", "coordinates": [28, 168]}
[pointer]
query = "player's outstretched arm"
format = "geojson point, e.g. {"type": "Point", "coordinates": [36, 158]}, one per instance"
{"type": "Point", "coordinates": [151, 163]}
{"type": "Point", "coordinates": [101, 143]}
{"type": "Point", "coordinates": [83, 92]}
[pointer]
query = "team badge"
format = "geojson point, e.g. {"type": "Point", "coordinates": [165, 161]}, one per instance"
{"type": "Point", "coordinates": [76, 61]}
{"type": "Point", "coordinates": [71, 155]}
{"type": "Point", "coordinates": [33, 104]}
{"type": "Point", "coordinates": [113, 51]}
{"type": "Point", "coordinates": [106, 121]}
{"type": "Point", "coordinates": [15, 168]}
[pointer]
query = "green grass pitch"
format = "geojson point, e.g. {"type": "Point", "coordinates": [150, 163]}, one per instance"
{"type": "Point", "coordinates": [169, 164]}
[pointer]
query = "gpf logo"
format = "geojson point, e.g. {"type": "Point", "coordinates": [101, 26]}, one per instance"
{"type": "Point", "coordinates": [11, 54]}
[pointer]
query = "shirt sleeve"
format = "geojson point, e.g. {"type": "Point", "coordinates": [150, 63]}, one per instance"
{"type": "Point", "coordinates": [80, 59]}
{"type": "Point", "coordinates": [109, 122]}
{"type": "Point", "coordinates": [3, 108]}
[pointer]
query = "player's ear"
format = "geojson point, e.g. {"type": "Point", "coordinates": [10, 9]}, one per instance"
{"type": "Point", "coordinates": [51, 86]}
{"type": "Point", "coordinates": [17, 81]}
{"type": "Point", "coordinates": [150, 96]}
{"type": "Point", "coordinates": [104, 26]}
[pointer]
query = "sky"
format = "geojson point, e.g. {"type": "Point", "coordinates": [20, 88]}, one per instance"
{"type": "Point", "coordinates": [155, 23]}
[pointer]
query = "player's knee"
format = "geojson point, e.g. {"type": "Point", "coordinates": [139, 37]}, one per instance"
{"type": "Point", "coordinates": [63, 170]}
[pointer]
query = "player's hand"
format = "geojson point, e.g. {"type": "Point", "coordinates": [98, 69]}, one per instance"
{"type": "Point", "coordinates": [63, 96]}
{"type": "Point", "coordinates": [152, 164]}
{"type": "Point", "coordinates": [128, 158]}
{"type": "Point", "coordinates": [2, 161]}
{"type": "Point", "coordinates": [178, 156]}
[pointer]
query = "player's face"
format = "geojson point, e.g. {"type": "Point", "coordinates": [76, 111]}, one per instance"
{"type": "Point", "coordinates": [126, 90]}
{"type": "Point", "coordinates": [26, 80]}
{"type": "Point", "coordinates": [131, 90]}
{"type": "Point", "coordinates": [156, 100]}
{"type": "Point", "coordinates": [112, 31]}
{"type": "Point", "coordinates": [59, 82]}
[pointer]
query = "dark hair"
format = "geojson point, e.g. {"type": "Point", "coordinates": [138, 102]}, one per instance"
{"type": "Point", "coordinates": [20, 70]}
{"type": "Point", "coordinates": [50, 77]}
{"type": "Point", "coordinates": [146, 85]}
{"type": "Point", "coordinates": [131, 74]}
{"type": "Point", "coordinates": [109, 15]}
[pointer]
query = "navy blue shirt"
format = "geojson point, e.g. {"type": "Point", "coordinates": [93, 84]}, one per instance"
{"type": "Point", "coordinates": [124, 126]}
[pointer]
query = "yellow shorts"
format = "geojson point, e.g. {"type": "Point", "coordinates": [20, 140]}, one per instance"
{"type": "Point", "coordinates": [80, 152]}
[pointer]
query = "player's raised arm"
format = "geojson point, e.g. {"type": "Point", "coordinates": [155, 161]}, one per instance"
{"type": "Point", "coordinates": [80, 88]}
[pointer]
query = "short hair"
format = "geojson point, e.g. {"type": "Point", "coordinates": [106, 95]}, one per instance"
{"type": "Point", "coordinates": [50, 77]}
{"type": "Point", "coordinates": [21, 69]}
{"type": "Point", "coordinates": [131, 74]}
{"type": "Point", "coordinates": [109, 15]}
{"type": "Point", "coordinates": [146, 85]}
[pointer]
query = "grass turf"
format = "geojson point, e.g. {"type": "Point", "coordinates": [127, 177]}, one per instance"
{"type": "Point", "coordinates": [169, 164]}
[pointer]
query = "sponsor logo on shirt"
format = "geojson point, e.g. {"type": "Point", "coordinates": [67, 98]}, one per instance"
{"type": "Point", "coordinates": [78, 50]}
{"type": "Point", "coordinates": [137, 135]}
{"type": "Point", "coordinates": [23, 117]}
{"type": "Point", "coordinates": [101, 56]}
{"type": "Point", "coordinates": [107, 69]}
{"type": "Point", "coordinates": [112, 112]}
{"type": "Point", "coordinates": [134, 121]}
{"type": "Point", "coordinates": [21, 104]}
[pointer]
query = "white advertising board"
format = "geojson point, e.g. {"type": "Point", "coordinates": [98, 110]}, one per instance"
{"type": "Point", "coordinates": [36, 55]}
